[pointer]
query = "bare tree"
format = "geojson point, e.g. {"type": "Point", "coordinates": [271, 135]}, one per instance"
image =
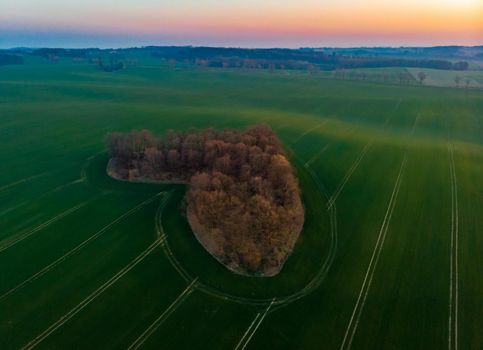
{"type": "Point", "coordinates": [421, 76]}
{"type": "Point", "coordinates": [467, 81]}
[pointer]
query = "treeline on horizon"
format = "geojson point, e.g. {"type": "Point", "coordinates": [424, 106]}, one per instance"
{"type": "Point", "coordinates": [6, 59]}
{"type": "Point", "coordinates": [291, 59]}
{"type": "Point", "coordinates": [243, 200]}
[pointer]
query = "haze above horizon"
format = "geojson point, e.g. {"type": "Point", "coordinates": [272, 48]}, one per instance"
{"type": "Point", "coordinates": [282, 23]}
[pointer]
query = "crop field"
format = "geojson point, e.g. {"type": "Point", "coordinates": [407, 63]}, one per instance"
{"type": "Point", "coordinates": [391, 255]}
{"type": "Point", "coordinates": [446, 78]}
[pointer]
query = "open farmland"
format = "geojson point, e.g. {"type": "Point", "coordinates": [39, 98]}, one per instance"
{"type": "Point", "coordinates": [391, 252]}
{"type": "Point", "coordinates": [446, 78]}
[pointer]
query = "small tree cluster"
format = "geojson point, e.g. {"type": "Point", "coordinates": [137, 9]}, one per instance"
{"type": "Point", "coordinates": [243, 200]}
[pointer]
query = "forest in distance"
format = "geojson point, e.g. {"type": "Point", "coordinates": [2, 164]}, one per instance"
{"type": "Point", "coordinates": [243, 201]}
{"type": "Point", "coordinates": [326, 59]}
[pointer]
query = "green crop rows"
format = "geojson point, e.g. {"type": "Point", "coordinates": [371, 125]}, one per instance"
{"type": "Point", "coordinates": [391, 252]}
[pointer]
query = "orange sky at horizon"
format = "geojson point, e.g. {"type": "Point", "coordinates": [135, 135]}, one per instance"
{"type": "Point", "coordinates": [450, 20]}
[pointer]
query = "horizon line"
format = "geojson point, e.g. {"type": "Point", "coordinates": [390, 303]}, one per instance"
{"type": "Point", "coordinates": [238, 47]}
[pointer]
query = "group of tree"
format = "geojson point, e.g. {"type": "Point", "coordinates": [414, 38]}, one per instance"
{"type": "Point", "coordinates": [311, 60]}
{"type": "Point", "coordinates": [402, 77]}
{"type": "Point", "coordinates": [458, 80]}
{"type": "Point", "coordinates": [243, 201]}
{"type": "Point", "coordinates": [112, 62]}
{"type": "Point", "coordinates": [299, 59]}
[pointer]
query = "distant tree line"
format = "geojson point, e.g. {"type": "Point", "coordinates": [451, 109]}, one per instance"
{"type": "Point", "coordinates": [113, 62]}
{"type": "Point", "coordinates": [401, 77]}
{"type": "Point", "coordinates": [292, 59]}
{"type": "Point", "coordinates": [60, 52]}
{"type": "Point", "coordinates": [310, 60]}
{"type": "Point", "coordinates": [243, 200]}
{"type": "Point", "coordinates": [6, 59]}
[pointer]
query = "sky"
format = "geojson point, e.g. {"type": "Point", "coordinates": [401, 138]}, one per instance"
{"type": "Point", "coordinates": [240, 23]}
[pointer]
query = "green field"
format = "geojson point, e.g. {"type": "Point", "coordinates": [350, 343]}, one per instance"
{"type": "Point", "coordinates": [391, 252]}
{"type": "Point", "coordinates": [446, 78]}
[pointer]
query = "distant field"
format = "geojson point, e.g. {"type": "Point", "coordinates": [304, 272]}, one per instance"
{"type": "Point", "coordinates": [389, 258]}
{"type": "Point", "coordinates": [374, 75]}
{"type": "Point", "coordinates": [445, 78]}
{"type": "Point", "coordinates": [435, 77]}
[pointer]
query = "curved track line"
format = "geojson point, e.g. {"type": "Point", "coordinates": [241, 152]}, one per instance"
{"type": "Point", "coordinates": [366, 285]}
{"type": "Point", "coordinates": [77, 248]}
{"type": "Point", "coordinates": [166, 313]}
{"type": "Point", "coordinates": [25, 235]}
{"type": "Point", "coordinates": [79, 307]}
{"type": "Point", "coordinates": [278, 302]}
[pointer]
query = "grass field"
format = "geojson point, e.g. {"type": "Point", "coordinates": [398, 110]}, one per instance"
{"type": "Point", "coordinates": [434, 77]}
{"type": "Point", "coordinates": [446, 78]}
{"type": "Point", "coordinates": [390, 256]}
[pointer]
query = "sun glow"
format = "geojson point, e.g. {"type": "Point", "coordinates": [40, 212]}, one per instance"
{"type": "Point", "coordinates": [460, 3]}
{"type": "Point", "coordinates": [275, 22]}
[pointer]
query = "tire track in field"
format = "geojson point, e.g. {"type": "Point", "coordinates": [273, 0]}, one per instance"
{"type": "Point", "coordinates": [358, 160]}
{"type": "Point", "coordinates": [278, 302]}
{"type": "Point", "coordinates": [166, 313]}
{"type": "Point", "coordinates": [317, 155]}
{"type": "Point", "coordinates": [389, 117]}
{"type": "Point", "coordinates": [348, 175]}
{"type": "Point", "coordinates": [78, 247]}
{"type": "Point", "coordinates": [56, 189]}
{"type": "Point", "coordinates": [79, 307]}
{"type": "Point", "coordinates": [366, 285]}
{"type": "Point", "coordinates": [413, 129]}
{"type": "Point", "coordinates": [250, 332]}
{"type": "Point", "coordinates": [21, 181]}
{"type": "Point", "coordinates": [10, 243]}
{"type": "Point", "coordinates": [301, 136]}
{"type": "Point", "coordinates": [83, 173]}
{"type": "Point", "coordinates": [453, 270]}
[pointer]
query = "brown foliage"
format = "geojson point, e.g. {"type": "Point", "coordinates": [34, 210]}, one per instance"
{"type": "Point", "coordinates": [243, 200]}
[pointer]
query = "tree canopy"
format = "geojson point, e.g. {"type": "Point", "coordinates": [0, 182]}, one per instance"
{"type": "Point", "coordinates": [243, 200]}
